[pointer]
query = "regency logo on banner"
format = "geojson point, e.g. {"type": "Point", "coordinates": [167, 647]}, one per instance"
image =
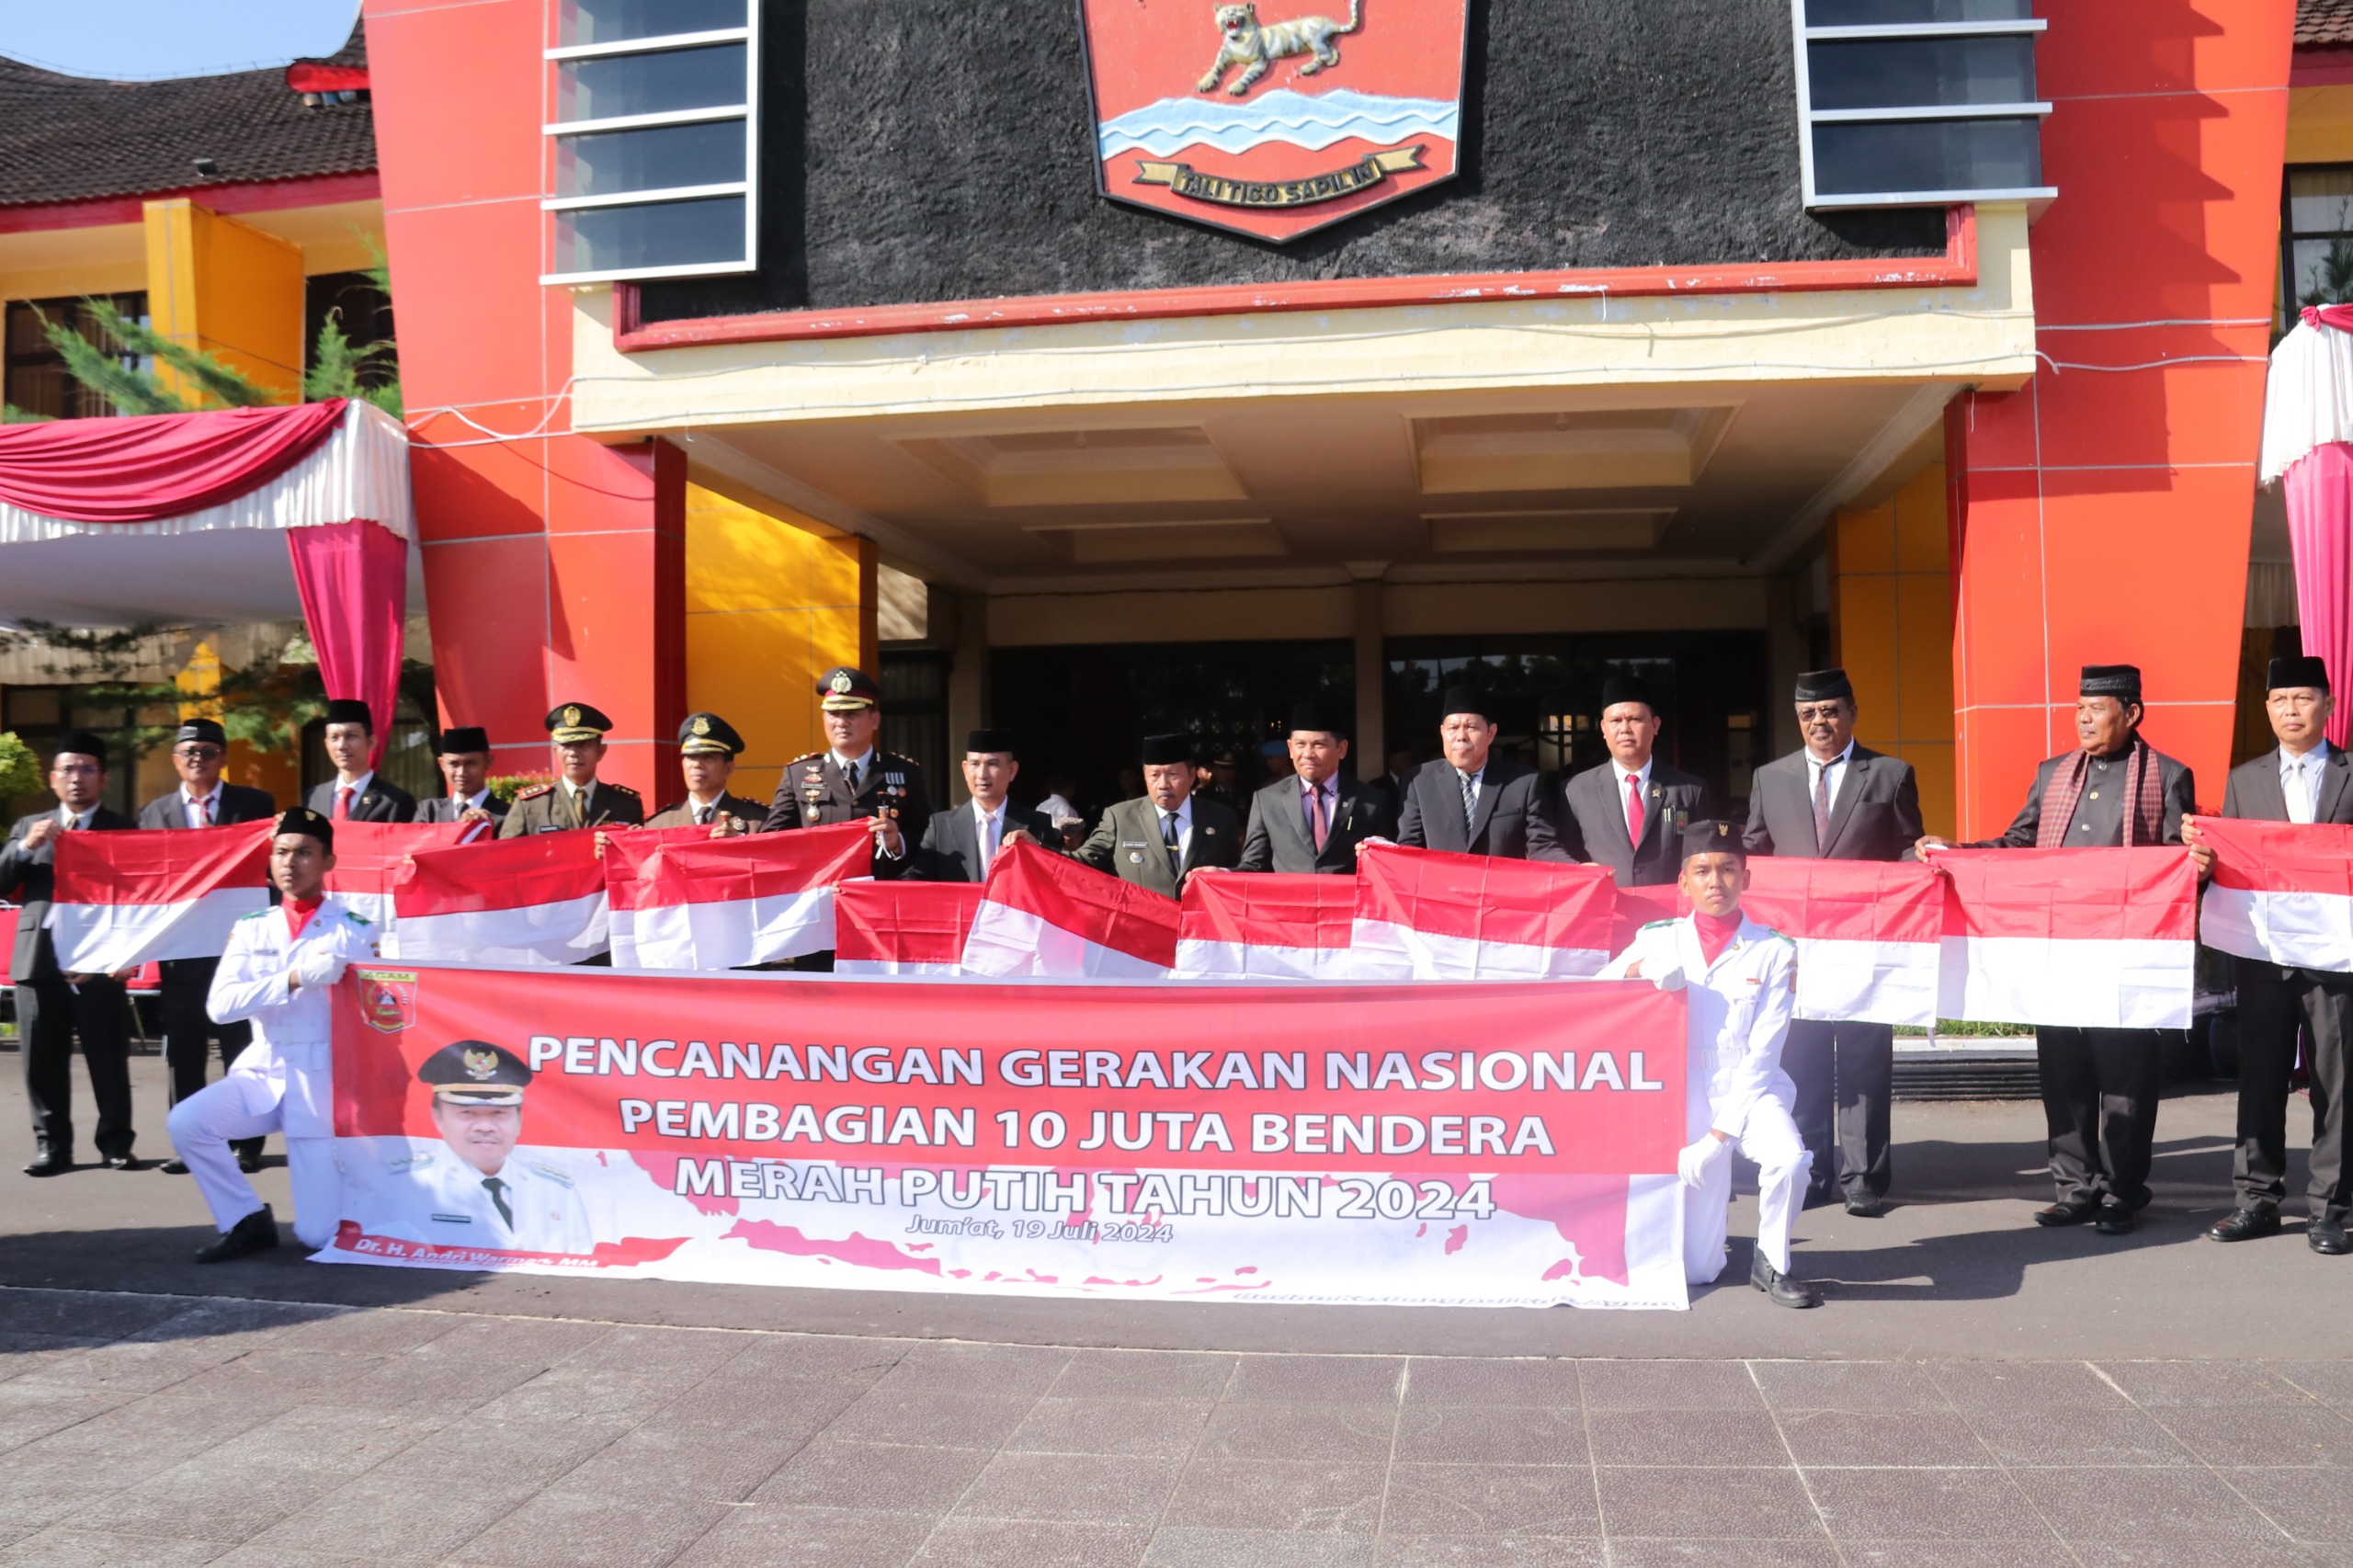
{"type": "Point", "coordinates": [1279, 118]}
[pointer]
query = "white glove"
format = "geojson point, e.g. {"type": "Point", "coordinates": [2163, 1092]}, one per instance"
{"type": "Point", "coordinates": [319, 967]}
{"type": "Point", "coordinates": [1694, 1162]}
{"type": "Point", "coordinates": [1668, 979]}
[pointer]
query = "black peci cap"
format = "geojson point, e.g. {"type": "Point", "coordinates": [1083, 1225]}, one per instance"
{"type": "Point", "coordinates": [462, 738]}
{"type": "Point", "coordinates": [708, 734]}
{"type": "Point", "coordinates": [1467, 699]}
{"type": "Point", "coordinates": [204, 732]}
{"type": "Point", "coordinates": [990, 740]}
{"type": "Point", "coordinates": [1626, 688]}
{"type": "Point", "coordinates": [571, 723]}
{"type": "Point", "coordinates": [2120, 681]}
{"type": "Point", "coordinates": [1825, 686]}
{"type": "Point", "coordinates": [1712, 838]}
{"type": "Point", "coordinates": [1161, 751]}
{"type": "Point", "coordinates": [474, 1072]}
{"type": "Point", "coordinates": [1318, 718]}
{"type": "Point", "coordinates": [80, 742]}
{"type": "Point", "coordinates": [2306, 671]}
{"type": "Point", "coordinates": [350, 710]}
{"type": "Point", "coordinates": [302, 819]}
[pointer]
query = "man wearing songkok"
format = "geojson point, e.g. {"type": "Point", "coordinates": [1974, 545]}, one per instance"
{"type": "Point", "coordinates": [1835, 799]}
{"type": "Point", "coordinates": [479, 1189]}
{"type": "Point", "coordinates": [708, 747]}
{"type": "Point", "coordinates": [2100, 1086]}
{"type": "Point", "coordinates": [1165, 836]}
{"type": "Point", "coordinates": [355, 793]}
{"type": "Point", "coordinates": [576, 798]}
{"type": "Point", "coordinates": [278, 972]}
{"type": "Point", "coordinates": [853, 779]}
{"type": "Point", "coordinates": [1470, 801]}
{"type": "Point", "coordinates": [463, 755]}
{"type": "Point", "coordinates": [1315, 821]}
{"type": "Point", "coordinates": [959, 845]}
{"type": "Point", "coordinates": [2304, 780]}
{"type": "Point", "coordinates": [1629, 813]}
{"type": "Point", "coordinates": [1739, 979]}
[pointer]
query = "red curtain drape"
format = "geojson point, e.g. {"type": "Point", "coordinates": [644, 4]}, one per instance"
{"type": "Point", "coordinates": [137, 471]}
{"type": "Point", "coordinates": [354, 581]}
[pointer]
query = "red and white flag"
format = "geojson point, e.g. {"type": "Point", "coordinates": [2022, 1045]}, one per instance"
{"type": "Point", "coordinates": [716, 903]}
{"type": "Point", "coordinates": [625, 851]}
{"type": "Point", "coordinates": [1868, 935]}
{"type": "Point", "coordinates": [2283, 892]}
{"type": "Point", "coordinates": [1044, 916]}
{"type": "Point", "coordinates": [2081, 938]}
{"type": "Point", "coordinates": [902, 927]}
{"type": "Point", "coordinates": [1430, 914]}
{"type": "Point", "coordinates": [126, 899]}
{"type": "Point", "coordinates": [538, 901]}
{"type": "Point", "coordinates": [368, 854]}
{"type": "Point", "coordinates": [1244, 925]}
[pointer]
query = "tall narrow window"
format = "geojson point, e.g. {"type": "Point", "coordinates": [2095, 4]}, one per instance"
{"type": "Point", "coordinates": [1919, 103]}
{"type": "Point", "coordinates": [655, 139]}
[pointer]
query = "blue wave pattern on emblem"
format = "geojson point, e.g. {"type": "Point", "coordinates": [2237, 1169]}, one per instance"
{"type": "Point", "coordinates": [1313, 122]}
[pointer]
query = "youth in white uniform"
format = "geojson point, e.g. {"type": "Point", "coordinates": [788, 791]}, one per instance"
{"type": "Point", "coordinates": [284, 984]}
{"type": "Point", "coordinates": [1738, 1014]}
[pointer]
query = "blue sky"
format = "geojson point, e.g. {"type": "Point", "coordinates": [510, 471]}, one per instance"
{"type": "Point", "coordinates": [136, 39]}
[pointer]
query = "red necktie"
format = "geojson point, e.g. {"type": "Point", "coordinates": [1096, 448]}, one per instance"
{"type": "Point", "coordinates": [204, 811]}
{"type": "Point", "coordinates": [1635, 808]}
{"type": "Point", "coordinates": [343, 802]}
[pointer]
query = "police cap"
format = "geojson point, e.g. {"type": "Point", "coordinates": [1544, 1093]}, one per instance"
{"type": "Point", "coordinates": [708, 734]}
{"type": "Point", "coordinates": [847, 689]}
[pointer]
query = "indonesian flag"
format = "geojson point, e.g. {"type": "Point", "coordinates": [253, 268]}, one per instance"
{"type": "Point", "coordinates": [1430, 914]}
{"type": "Point", "coordinates": [2283, 892]}
{"type": "Point", "coordinates": [902, 927]}
{"type": "Point", "coordinates": [716, 903]}
{"type": "Point", "coordinates": [535, 901]}
{"type": "Point", "coordinates": [1044, 916]}
{"type": "Point", "coordinates": [2081, 938]}
{"type": "Point", "coordinates": [369, 854]}
{"type": "Point", "coordinates": [126, 899]}
{"type": "Point", "coordinates": [1868, 935]}
{"type": "Point", "coordinates": [626, 850]}
{"type": "Point", "coordinates": [1244, 925]}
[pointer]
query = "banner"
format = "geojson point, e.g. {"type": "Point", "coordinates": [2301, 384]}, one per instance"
{"type": "Point", "coordinates": [368, 855]}
{"type": "Point", "coordinates": [716, 903]}
{"type": "Point", "coordinates": [126, 899]}
{"type": "Point", "coordinates": [902, 927]}
{"type": "Point", "coordinates": [1265, 925]}
{"type": "Point", "coordinates": [537, 900]}
{"type": "Point", "coordinates": [1506, 1145]}
{"type": "Point", "coordinates": [2081, 938]}
{"type": "Point", "coordinates": [1431, 914]}
{"type": "Point", "coordinates": [2283, 892]}
{"type": "Point", "coordinates": [1046, 917]}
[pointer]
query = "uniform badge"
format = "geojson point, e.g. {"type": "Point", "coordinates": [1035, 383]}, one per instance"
{"type": "Point", "coordinates": [702, 724]}
{"type": "Point", "coordinates": [482, 1066]}
{"type": "Point", "coordinates": [1135, 857]}
{"type": "Point", "coordinates": [572, 718]}
{"type": "Point", "coordinates": [841, 683]}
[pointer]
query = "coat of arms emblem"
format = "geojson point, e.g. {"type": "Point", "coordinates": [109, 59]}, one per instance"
{"type": "Point", "coordinates": [387, 1001]}
{"type": "Point", "coordinates": [1276, 118]}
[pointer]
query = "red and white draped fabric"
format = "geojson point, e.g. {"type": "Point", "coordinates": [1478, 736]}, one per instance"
{"type": "Point", "coordinates": [2085, 938]}
{"type": "Point", "coordinates": [2283, 892]}
{"type": "Point", "coordinates": [625, 851]}
{"type": "Point", "coordinates": [1868, 935]}
{"type": "Point", "coordinates": [902, 927]}
{"type": "Point", "coordinates": [368, 855]}
{"type": "Point", "coordinates": [537, 900]}
{"type": "Point", "coordinates": [1430, 914]}
{"type": "Point", "coordinates": [717, 903]}
{"type": "Point", "coordinates": [1248, 926]}
{"type": "Point", "coordinates": [1047, 917]}
{"type": "Point", "coordinates": [2308, 441]}
{"type": "Point", "coordinates": [126, 899]}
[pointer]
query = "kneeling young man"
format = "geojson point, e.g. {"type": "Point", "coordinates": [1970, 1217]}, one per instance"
{"type": "Point", "coordinates": [280, 972]}
{"type": "Point", "coordinates": [1741, 980]}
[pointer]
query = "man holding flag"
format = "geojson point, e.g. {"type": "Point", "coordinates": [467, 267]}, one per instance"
{"type": "Point", "coordinates": [464, 758]}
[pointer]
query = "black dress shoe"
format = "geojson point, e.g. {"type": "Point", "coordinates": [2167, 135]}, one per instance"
{"type": "Point", "coordinates": [2115, 1220]}
{"type": "Point", "coordinates": [1779, 1288]}
{"type": "Point", "coordinates": [123, 1162]}
{"type": "Point", "coordinates": [2244, 1226]}
{"type": "Point", "coordinates": [2063, 1214]}
{"type": "Point", "coordinates": [258, 1231]}
{"type": "Point", "coordinates": [1867, 1207]}
{"type": "Point", "coordinates": [2326, 1236]}
{"type": "Point", "coordinates": [174, 1167]}
{"type": "Point", "coordinates": [249, 1163]}
{"type": "Point", "coordinates": [49, 1166]}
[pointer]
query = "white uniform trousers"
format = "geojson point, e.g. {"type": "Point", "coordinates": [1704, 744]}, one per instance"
{"type": "Point", "coordinates": [1771, 1141]}
{"type": "Point", "coordinates": [249, 1106]}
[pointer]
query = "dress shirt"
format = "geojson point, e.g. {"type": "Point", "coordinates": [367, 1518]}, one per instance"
{"type": "Point", "coordinates": [1478, 781]}
{"type": "Point", "coordinates": [696, 808]}
{"type": "Point", "coordinates": [201, 810]}
{"type": "Point", "coordinates": [1618, 772]}
{"type": "Point", "coordinates": [2303, 795]}
{"type": "Point", "coordinates": [1836, 767]}
{"type": "Point", "coordinates": [477, 800]}
{"type": "Point", "coordinates": [864, 761]}
{"type": "Point", "coordinates": [359, 787]}
{"type": "Point", "coordinates": [988, 829]}
{"type": "Point", "coordinates": [71, 821]}
{"type": "Point", "coordinates": [1184, 815]}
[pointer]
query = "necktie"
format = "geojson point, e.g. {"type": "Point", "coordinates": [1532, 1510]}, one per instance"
{"type": "Point", "coordinates": [1316, 810]}
{"type": "Point", "coordinates": [1470, 801]}
{"type": "Point", "coordinates": [702, 816]}
{"type": "Point", "coordinates": [2299, 798]}
{"type": "Point", "coordinates": [1634, 809]}
{"type": "Point", "coordinates": [1821, 807]}
{"type": "Point", "coordinates": [850, 773]}
{"type": "Point", "coordinates": [1168, 838]}
{"type": "Point", "coordinates": [204, 811]}
{"type": "Point", "coordinates": [342, 802]}
{"type": "Point", "coordinates": [497, 1190]}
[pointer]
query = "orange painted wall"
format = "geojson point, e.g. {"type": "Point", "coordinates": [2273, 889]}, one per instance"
{"type": "Point", "coordinates": [1890, 629]}
{"type": "Point", "coordinates": [554, 566]}
{"type": "Point", "coordinates": [2102, 513]}
{"type": "Point", "coordinates": [228, 289]}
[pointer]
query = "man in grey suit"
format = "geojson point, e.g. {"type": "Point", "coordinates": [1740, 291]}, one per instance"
{"type": "Point", "coordinates": [355, 793]}
{"type": "Point", "coordinates": [959, 845]}
{"type": "Point", "coordinates": [1315, 821]}
{"type": "Point", "coordinates": [464, 756]}
{"type": "Point", "coordinates": [1629, 813]}
{"type": "Point", "coordinates": [1838, 800]}
{"type": "Point", "coordinates": [52, 1008]}
{"type": "Point", "coordinates": [1470, 801]}
{"type": "Point", "coordinates": [1167, 834]}
{"type": "Point", "coordinates": [2304, 780]}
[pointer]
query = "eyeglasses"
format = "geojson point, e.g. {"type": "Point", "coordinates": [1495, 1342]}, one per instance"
{"type": "Point", "coordinates": [198, 754]}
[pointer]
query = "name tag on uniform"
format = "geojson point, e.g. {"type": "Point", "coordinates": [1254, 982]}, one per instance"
{"type": "Point", "coordinates": [454, 1219]}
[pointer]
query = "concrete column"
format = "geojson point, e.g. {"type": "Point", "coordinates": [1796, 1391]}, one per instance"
{"type": "Point", "coordinates": [968, 683]}
{"type": "Point", "coordinates": [228, 289]}
{"type": "Point", "coordinates": [1372, 671]}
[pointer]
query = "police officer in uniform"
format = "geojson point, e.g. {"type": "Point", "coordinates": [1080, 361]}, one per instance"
{"type": "Point", "coordinates": [479, 1189]}
{"type": "Point", "coordinates": [464, 758]}
{"type": "Point", "coordinates": [853, 779]}
{"type": "Point", "coordinates": [577, 798]}
{"type": "Point", "coordinates": [708, 747]}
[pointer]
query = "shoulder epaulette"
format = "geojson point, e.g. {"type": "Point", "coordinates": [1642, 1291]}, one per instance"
{"type": "Point", "coordinates": [356, 917]}
{"type": "Point", "coordinates": [255, 916]}
{"type": "Point", "coordinates": [809, 758]}
{"type": "Point", "coordinates": [620, 788]}
{"type": "Point", "coordinates": [533, 793]}
{"type": "Point", "coordinates": [1780, 937]}
{"type": "Point", "coordinates": [550, 1172]}
{"type": "Point", "coordinates": [1657, 924]}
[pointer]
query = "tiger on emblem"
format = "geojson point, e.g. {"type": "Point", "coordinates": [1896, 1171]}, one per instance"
{"type": "Point", "coordinates": [1255, 46]}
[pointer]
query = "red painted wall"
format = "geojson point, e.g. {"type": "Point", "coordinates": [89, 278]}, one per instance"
{"type": "Point", "coordinates": [554, 565]}
{"type": "Point", "coordinates": [2101, 514]}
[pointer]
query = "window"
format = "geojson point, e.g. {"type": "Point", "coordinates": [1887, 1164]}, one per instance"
{"type": "Point", "coordinates": [1919, 103]}
{"type": "Point", "coordinates": [655, 137]}
{"type": "Point", "coordinates": [36, 377]}
{"type": "Point", "coordinates": [362, 310]}
{"type": "Point", "coordinates": [2317, 237]}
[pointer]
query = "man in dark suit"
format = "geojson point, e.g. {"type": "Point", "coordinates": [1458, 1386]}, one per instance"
{"type": "Point", "coordinates": [199, 751]}
{"type": "Point", "coordinates": [2100, 1086]}
{"type": "Point", "coordinates": [464, 756]}
{"type": "Point", "coordinates": [853, 779]}
{"type": "Point", "coordinates": [52, 1008]}
{"type": "Point", "coordinates": [1838, 800]}
{"type": "Point", "coordinates": [355, 793]}
{"type": "Point", "coordinates": [1159, 840]}
{"type": "Point", "coordinates": [1315, 821]}
{"type": "Point", "coordinates": [1629, 813]}
{"type": "Point", "coordinates": [576, 798]}
{"type": "Point", "coordinates": [959, 845]}
{"type": "Point", "coordinates": [708, 747]}
{"type": "Point", "coordinates": [2305, 779]}
{"type": "Point", "coordinates": [1472, 801]}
